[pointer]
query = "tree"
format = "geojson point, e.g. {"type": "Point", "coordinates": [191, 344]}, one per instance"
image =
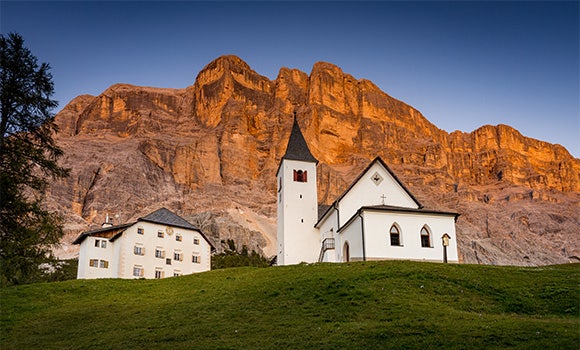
{"type": "Point", "coordinates": [28, 158]}
{"type": "Point", "coordinates": [230, 257]}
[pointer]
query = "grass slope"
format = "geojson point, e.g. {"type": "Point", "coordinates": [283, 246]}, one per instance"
{"type": "Point", "coordinates": [371, 305]}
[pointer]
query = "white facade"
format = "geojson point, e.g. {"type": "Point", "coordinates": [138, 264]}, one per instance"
{"type": "Point", "coordinates": [143, 249]}
{"type": "Point", "coordinates": [298, 239]}
{"type": "Point", "coordinates": [361, 219]}
{"type": "Point", "coordinates": [376, 218]}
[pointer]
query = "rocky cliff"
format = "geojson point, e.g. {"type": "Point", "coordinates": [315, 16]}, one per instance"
{"type": "Point", "coordinates": [210, 153]}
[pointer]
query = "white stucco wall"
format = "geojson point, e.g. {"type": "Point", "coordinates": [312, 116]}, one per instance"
{"type": "Point", "coordinates": [122, 259]}
{"type": "Point", "coordinates": [377, 238]}
{"type": "Point", "coordinates": [351, 235]}
{"type": "Point", "coordinates": [88, 251]}
{"type": "Point", "coordinates": [298, 240]}
{"type": "Point", "coordinates": [329, 229]}
{"type": "Point", "coordinates": [366, 193]}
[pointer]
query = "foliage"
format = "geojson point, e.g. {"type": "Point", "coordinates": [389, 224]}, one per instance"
{"type": "Point", "coordinates": [363, 305]}
{"type": "Point", "coordinates": [232, 258]}
{"type": "Point", "coordinates": [28, 157]}
{"type": "Point", "coordinates": [60, 270]}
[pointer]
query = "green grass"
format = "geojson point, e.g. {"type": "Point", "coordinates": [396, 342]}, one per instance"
{"type": "Point", "coordinates": [372, 305]}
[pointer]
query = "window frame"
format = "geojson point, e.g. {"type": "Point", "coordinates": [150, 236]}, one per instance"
{"type": "Point", "coordinates": [138, 271]}
{"type": "Point", "coordinates": [300, 175]}
{"type": "Point", "coordinates": [138, 250]}
{"type": "Point", "coordinates": [395, 236]}
{"type": "Point", "coordinates": [426, 235]}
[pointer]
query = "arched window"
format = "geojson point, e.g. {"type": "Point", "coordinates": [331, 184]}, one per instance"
{"type": "Point", "coordinates": [300, 176]}
{"type": "Point", "coordinates": [425, 237]}
{"type": "Point", "coordinates": [395, 235]}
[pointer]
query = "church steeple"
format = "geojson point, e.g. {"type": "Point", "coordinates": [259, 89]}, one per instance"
{"type": "Point", "coordinates": [297, 148]}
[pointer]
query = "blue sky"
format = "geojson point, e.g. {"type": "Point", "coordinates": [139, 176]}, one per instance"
{"type": "Point", "coordinates": [462, 64]}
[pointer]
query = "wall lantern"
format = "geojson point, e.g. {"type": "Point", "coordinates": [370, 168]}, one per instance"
{"type": "Point", "coordinates": [445, 239]}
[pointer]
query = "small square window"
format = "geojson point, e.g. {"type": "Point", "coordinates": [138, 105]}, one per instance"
{"type": "Point", "coordinates": [138, 271]}
{"type": "Point", "coordinates": [160, 234]}
{"type": "Point", "coordinates": [97, 243]}
{"type": "Point", "coordinates": [196, 241]}
{"type": "Point", "coordinates": [94, 263]}
{"type": "Point", "coordinates": [178, 237]}
{"type": "Point", "coordinates": [103, 244]}
{"type": "Point", "coordinates": [168, 261]}
{"type": "Point", "coordinates": [140, 230]}
{"type": "Point", "coordinates": [104, 264]}
{"type": "Point", "coordinates": [138, 250]}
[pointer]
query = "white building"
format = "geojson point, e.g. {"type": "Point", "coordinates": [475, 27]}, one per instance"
{"type": "Point", "coordinates": [376, 218]}
{"type": "Point", "coordinates": [158, 245]}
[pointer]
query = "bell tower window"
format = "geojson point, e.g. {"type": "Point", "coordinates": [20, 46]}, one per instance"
{"type": "Point", "coordinates": [300, 175]}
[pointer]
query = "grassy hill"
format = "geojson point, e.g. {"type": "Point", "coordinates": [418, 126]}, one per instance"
{"type": "Point", "coordinates": [371, 305]}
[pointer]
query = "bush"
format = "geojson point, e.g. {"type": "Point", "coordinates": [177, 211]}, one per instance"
{"type": "Point", "coordinates": [232, 258]}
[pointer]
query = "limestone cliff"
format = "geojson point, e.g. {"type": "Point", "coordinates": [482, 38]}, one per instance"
{"type": "Point", "coordinates": [211, 150]}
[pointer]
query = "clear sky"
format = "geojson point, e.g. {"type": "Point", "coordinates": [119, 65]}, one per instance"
{"type": "Point", "coordinates": [462, 64]}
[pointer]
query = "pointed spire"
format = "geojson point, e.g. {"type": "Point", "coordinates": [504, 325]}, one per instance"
{"type": "Point", "coordinates": [297, 148]}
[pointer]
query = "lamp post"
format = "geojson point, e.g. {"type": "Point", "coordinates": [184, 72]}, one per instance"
{"type": "Point", "coordinates": [445, 239]}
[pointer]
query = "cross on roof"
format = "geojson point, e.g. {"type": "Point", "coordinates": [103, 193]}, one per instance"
{"type": "Point", "coordinates": [383, 197]}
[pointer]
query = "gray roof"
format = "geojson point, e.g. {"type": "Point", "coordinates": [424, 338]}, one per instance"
{"type": "Point", "coordinates": [297, 148]}
{"type": "Point", "coordinates": [322, 209]}
{"type": "Point", "coordinates": [161, 216]}
{"type": "Point", "coordinates": [166, 217]}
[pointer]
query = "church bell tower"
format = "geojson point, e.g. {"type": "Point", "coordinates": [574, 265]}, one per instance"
{"type": "Point", "coordinates": [298, 239]}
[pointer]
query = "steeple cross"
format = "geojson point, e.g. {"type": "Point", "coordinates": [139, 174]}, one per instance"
{"type": "Point", "coordinates": [383, 197]}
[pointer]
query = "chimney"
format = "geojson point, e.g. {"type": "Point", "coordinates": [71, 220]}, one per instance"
{"type": "Point", "coordinates": [107, 222]}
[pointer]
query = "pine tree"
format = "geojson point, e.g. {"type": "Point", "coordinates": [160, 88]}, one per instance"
{"type": "Point", "coordinates": [28, 159]}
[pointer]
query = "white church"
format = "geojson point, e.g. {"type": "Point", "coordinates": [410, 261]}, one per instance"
{"type": "Point", "coordinates": [376, 218]}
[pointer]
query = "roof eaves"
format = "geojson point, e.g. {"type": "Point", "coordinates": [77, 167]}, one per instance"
{"type": "Point", "coordinates": [89, 233]}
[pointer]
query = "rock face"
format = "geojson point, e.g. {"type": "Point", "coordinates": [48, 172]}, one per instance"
{"type": "Point", "coordinates": [210, 153]}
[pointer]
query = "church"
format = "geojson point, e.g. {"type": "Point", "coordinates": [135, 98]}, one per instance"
{"type": "Point", "coordinates": [376, 218]}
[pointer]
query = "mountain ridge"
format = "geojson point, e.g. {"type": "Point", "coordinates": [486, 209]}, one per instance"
{"type": "Point", "coordinates": [210, 151]}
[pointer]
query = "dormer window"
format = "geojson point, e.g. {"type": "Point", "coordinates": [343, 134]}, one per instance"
{"type": "Point", "coordinates": [300, 176]}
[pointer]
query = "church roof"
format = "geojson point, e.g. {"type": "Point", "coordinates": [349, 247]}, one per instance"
{"type": "Point", "coordinates": [297, 148]}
